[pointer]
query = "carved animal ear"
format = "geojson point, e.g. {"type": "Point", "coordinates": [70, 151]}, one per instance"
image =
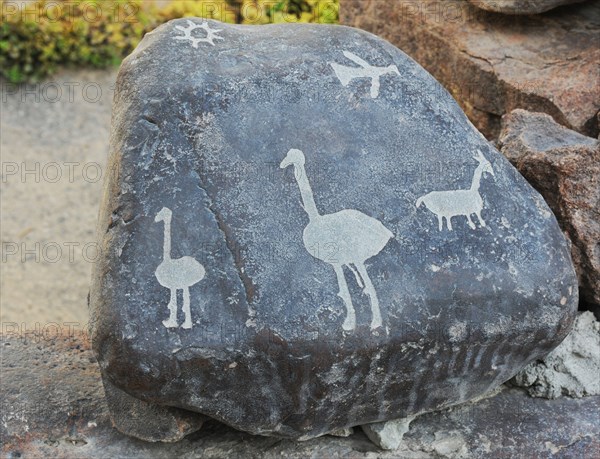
{"type": "Point", "coordinates": [479, 156]}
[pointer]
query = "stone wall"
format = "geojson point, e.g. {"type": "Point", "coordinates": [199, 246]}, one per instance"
{"type": "Point", "coordinates": [494, 63]}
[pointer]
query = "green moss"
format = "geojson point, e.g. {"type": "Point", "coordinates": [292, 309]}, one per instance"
{"type": "Point", "coordinates": [37, 38]}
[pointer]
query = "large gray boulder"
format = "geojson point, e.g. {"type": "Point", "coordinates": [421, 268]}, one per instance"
{"type": "Point", "coordinates": [303, 232]}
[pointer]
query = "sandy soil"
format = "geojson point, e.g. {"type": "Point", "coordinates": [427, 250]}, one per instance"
{"type": "Point", "coordinates": [53, 147]}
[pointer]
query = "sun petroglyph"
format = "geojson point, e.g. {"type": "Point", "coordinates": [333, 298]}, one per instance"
{"type": "Point", "coordinates": [188, 33]}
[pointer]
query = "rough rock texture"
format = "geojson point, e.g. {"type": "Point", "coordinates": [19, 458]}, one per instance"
{"type": "Point", "coordinates": [53, 405]}
{"type": "Point", "coordinates": [147, 421]}
{"type": "Point", "coordinates": [388, 435]}
{"type": "Point", "coordinates": [521, 6]}
{"type": "Point", "coordinates": [303, 232]}
{"type": "Point", "coordinates": [493, 64]}
{"type": "Point", "coordinates": [564, 167]}
{"type": "Point", "coordinates": [342, 432]}
{"type": "Point", "coordinates": [572, 369]}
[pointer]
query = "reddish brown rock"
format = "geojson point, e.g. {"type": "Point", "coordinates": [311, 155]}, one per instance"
{"type": "Point", "coordinates": [564, 166]}
{"type": "Point", "coordinates": [521, 6]}
{"type": "Point", "coordinates": [493, 64]}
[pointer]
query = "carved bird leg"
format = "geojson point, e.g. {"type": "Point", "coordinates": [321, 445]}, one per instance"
{"type": "Point", "coordinates": [356, 275]}
{"type": "Point", "coordinates": [471, 224]}
{"type": "Point", "coordinates": [480, 219]}
{"type": "Point", "coordinates": [172, 320]}
{"type": "Point", "coordinates": [187, 323]}
{"type": "Point", "coordinates": [344, 294]}
{"type": "Point", "coordinates": [370, 290]}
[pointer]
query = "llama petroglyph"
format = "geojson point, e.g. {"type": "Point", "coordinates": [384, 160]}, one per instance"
{"type": "Point", "coordinates": [452, 203]}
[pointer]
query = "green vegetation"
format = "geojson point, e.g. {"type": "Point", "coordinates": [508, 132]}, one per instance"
{"type": "Point", "coordinates": [37, 38]}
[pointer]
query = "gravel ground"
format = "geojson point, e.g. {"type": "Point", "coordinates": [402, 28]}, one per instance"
{"type": "Point", "coordinates": [53, 147]}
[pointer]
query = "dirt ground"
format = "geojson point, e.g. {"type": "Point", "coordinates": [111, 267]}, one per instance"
{"type": "Point", "coordinates": [53, 146]}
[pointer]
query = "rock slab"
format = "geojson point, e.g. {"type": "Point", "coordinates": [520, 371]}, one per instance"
{"type": "Point", "coordinates": [564, 166]}
{"type": "Point", "coordinates": [302, 232]}
{"type": "Point", "coordinates": [149, 422]}
{"type": "Point", "coordinates": [521, 6]}
{"type": "Point", "coordinates": [493, 64]}
{"type": "Point", "coordinates": [388, 435]}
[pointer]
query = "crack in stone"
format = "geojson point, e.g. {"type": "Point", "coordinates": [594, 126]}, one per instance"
{"type": "Point", "coordinates": [473, 56]}
{"type": "Point", "coordinates": [249, 287]}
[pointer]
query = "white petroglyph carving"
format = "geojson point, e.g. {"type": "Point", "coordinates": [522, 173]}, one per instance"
{"type": "Point", "coordinates": [176, 274]}
{"type": "Point", "coordinates": [448, 204]}
{"type": "Point", "coordinates": [356, 236]}
{"type": "Point", "coordinates": [366, 70]}
{"type": "Point", "coordinates": [188, 33]}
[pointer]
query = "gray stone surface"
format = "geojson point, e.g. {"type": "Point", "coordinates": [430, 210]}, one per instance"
{"type": "Point", "coordinates": [388, 435]}
{"type": "Point", "coordinates": [287, 184]}
{"type": "Point", "coordinates": [521, 6]}
{"type": "Point", "coordinates": [572, 369]}
{"type": "Point", "coordinates": [53, 405]}
{"type": "Point", "coordinates": [346, 432]}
